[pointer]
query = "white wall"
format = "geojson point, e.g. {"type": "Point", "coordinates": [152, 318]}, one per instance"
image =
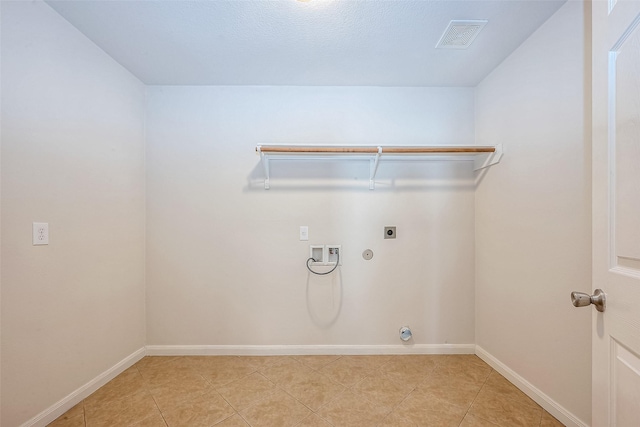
{"type": "Point", "coordinates": [533, 238]}
{"type": "Point", "coordinates": [224, 263]}
{"type": "Point", "coordinates": [72, 156]}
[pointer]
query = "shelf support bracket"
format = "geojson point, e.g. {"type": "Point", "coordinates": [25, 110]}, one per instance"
{"type": "Point", "coordinates": [490, 159]}
{"type": "Point", "coordinates": [265, 164]}
{"type": "Point", "coordinates": [373, 169]}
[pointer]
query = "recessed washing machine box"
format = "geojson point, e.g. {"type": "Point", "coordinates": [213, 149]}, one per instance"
{"type": "Point", "coordinates": [317, 253]}
{"type": "Point", "coordinates": [334, 253]}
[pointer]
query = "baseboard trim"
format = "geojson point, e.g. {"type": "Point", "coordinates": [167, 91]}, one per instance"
{"type": "Point", "coordinates": [550, 405]}
{"type": "Point", "coordinates": [292, 350]}
{"type": "Point", "coordinates": [54, 411]}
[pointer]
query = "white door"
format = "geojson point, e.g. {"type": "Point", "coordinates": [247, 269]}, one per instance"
{"type": "Point", "coordinates": [616, 212]}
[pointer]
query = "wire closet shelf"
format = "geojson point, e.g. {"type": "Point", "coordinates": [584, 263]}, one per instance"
{"type": "Point", "coordinates": [482, 156]}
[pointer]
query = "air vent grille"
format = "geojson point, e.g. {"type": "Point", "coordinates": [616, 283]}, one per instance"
{"type": "Point", "coordinates": [460, 34]}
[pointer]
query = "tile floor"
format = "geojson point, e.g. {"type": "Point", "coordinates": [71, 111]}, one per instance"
{"type": "Point", "coordinates": [309, 391]}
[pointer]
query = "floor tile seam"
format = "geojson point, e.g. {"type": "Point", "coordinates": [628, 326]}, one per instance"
{"type": "Point", "coordinates": [349, 387]}
{"type": "Point", "coordinates": [499, 423]}
{"type": "Point", "coordinates": [243, 418]}
{"type": "Point", "coordinates": [168, 359]}
{"type": "Point", "coordinates": [272, 382]}
{"type": "Point", "coordinates": [229, 403]}
{"type": "Point", "coordinates": [476, 397]}
{"type": "Point", "coordinates": [335, 397]}
{"type": "Point", "coordinates": [316, 369]}
{"type": "Point", "coordinates": [236, 380]}
{"type": "Point", "coordinates": [393, 407]}
{"type": "Point", "coordinates": [420, 382]}
{"type": "Point", "coordinates": [475, 365]}
{"type": "Point", "coordinates": [242, 408]}
{"type": "Point", "coordinates": [375, 403]}
{"type": "Point", "coordinates": [225, 419]}
{"type": "Point", "coordinates": [204, 373]}
{"type": "Point", "coordinates": [157, 406]}
{"type": "Point", "coordinates": [338, 357]}
{"type": "Point", "coordinates": [385, 417]}
{"type": "Point", "coordinates": [211, 382]}
{"type": "Point", "coordinates": [133, 424]}
{"type": "Point", "coordinates": [323, 418]}
{"type": "Point", "coordinates": [120, 396]}
{"type": "Point", "coordinates": [493, 423]}
{"type": "Point", "coordinates": [311, 415]}
{"type": "Point", "coordinates": [146, 418]}
{"type": "Point", "coordinates": [101, 406]}
{"type": "Point", "coordinates": [255, 403]}
{"type": "Point", "coordinates": [401, 383]}
{"type": "Point", "coordinates": [162, 416]}
{"type": "Point", "coordinates": [541, 415]}
{"type": "Point", "coordinates": [461, 375]}
{"type": "Point", "coordinates": [448, 406]}
{"type": "Point", "coordinates": [218, 387]}
{"type": "Point", "coordinates": [532, 405]}
{"type": "Point", "coordinates": [275, 386]}
{"type": "Point", "coordinates": [150, 384]}
{"type": "Point", "coordinates": [328, 377]}
{"type": "Point", "coordinates": [356, 383]}
{"type": "Point", "coordinates": [326, 373]}
{"type": "Point", "coordinates": [294, 398]}
{"type": "Point", "coordinates": [165, 367]}
{"type": "Point", "coordinates": [412, 367]}
{"type": "Point", "coordinates": [397, 405]}
{"type": "Point", "coordinates": [266, 368]}
{"type": "Point", "coordinates": [368, 400]}
{"type": "Point", "coordinates": [185, 399]}
{"type": "Point", "coordinates": [444, 401]}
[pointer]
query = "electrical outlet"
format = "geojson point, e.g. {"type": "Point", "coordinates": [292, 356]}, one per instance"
{"type": "Point", "coordinates": [40, 233]}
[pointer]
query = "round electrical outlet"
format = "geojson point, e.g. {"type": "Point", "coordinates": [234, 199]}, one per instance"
{"type": "Point", "coordinates": [367, 254]}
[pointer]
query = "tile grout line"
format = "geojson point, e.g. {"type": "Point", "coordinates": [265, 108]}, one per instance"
{"type": "Point", "coordinates": [146, 388]}
{"type": "Point", "coordinates": [244, 419]}
{"type": "Point", "coordinates": [370, 374]}
{"type": "Point", "coordinates": [408, 394]}
{"type": "Point", "coordinates": [477, 394]}
{"type": "Point", "coordinates": [541, 415]}
{"type": "Point", "coordinates": [506, 398]}
{"type": "Point", "coordinates": [278, 387]}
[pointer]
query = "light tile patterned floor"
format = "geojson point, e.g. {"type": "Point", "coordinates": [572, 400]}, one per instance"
{"type": "Point", "coordinates": [309, 391]}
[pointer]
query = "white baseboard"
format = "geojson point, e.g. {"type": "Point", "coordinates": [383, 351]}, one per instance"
{"type": "Point", "coordinates": [549, 405]}
{"type": "Point", "coordinates": [50, 414]}
{"type": "Point", "coordinates": [279, 350]}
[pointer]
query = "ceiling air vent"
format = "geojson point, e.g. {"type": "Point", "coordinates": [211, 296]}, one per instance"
{"type": "Point", "coordinates": [460, 34]}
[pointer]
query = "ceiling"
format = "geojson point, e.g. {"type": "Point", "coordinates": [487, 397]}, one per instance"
{"type": "Point", "coordinates": [315, 43]}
